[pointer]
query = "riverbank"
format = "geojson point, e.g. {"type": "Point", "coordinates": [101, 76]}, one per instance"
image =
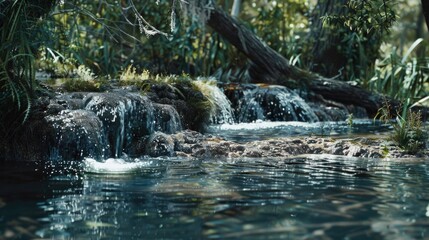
{"type": "Point", "coordinates": [169, 119]}
{"type": "Point", "coordinates": [194, 144]}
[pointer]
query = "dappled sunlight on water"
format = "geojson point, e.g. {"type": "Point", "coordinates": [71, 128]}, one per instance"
{"type": "Point", "coordinates": [266, 129]}
{"type": "Point", "coordinates": [307, 197]}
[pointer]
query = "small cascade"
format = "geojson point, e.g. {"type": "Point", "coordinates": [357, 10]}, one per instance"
{"type": "Point", "coordinates": [254, 102]}
{"type": "Point", "coordinates": [250, 108]}
{"type": "Point", "coordinates": [76, 134]}
{"type": "Point", "coordinates": [221, 106]}
{"type": "Point", "coordinates": [126, 118]}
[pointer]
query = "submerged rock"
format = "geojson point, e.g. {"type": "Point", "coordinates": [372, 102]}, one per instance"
{"type": "Point", "coordinates": [287, 147]}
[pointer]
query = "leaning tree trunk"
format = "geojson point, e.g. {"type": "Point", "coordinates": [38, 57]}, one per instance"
{"type": "Point", "coordinates": [270, 67]}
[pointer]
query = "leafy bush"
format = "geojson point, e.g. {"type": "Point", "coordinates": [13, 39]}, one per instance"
{"type": "Point", "coordinates": [409, 134]}
{"type": "Point", "coordinates": [408, 130]}
{"type": "Point", "coordinates": [354, 30]}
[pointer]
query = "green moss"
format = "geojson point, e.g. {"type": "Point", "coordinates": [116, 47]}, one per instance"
{"type": "Point", "coordinates": [78, 85]}
{"type": "Point", "coordinates": [198, 102]}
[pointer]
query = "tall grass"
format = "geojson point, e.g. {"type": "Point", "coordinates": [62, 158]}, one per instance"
{"type": "Point", "coordinates": [409, 132]}
{"type": "Point", "coordinates": [402, 77]}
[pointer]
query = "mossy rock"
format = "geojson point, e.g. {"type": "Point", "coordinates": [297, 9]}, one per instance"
{"type": "Point", "coordinates": [193, 107]}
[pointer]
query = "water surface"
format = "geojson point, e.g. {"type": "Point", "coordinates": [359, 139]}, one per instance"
{"type": "Point", "coordinates": [260, 130]}
{"type": "Point", "coordinates": [307, 197]}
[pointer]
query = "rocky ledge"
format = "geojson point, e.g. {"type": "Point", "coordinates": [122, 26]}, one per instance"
{"type": "Point", "coordinates": [194, 144]}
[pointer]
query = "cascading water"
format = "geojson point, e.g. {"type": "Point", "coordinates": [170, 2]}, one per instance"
{"type": "Point", "coordinates": [299, 109]}
{"type": "Point", "coordinates": [125, 116]}
{"type": "Point", "coordinates": [250, 108]}
{"type": "Point", "coordinates": [221, 111]}
{"type": "Point", "coordinates": [105, 125]}
{"type": "Point", "coordinates": [102, 125]}
{"type": "Point", "coordinates": [77, 134]}
{"type": "Point", "coordinates": [253, 102]}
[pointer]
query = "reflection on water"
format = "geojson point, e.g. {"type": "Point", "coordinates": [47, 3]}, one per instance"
{"type": "Point", "coordinates": [310, 197]}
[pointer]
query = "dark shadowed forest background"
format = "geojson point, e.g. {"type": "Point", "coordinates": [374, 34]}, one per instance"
{"type": "Point", "coordinates": [379, 45]}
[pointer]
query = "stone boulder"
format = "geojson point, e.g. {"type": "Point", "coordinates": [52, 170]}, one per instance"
{"type": "Point", "coordinates": [160, 144]}
{"type": "Point", "coordinates": [126, 117]}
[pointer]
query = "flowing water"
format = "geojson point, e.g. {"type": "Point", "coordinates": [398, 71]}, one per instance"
{"type": "Point", "coordinates": [260, 130]}
{"type": "Point", "coordinates": [306, 197]}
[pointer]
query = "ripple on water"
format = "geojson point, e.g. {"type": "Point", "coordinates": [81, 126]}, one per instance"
{"type": "Point", "coordinates": [305, 197]}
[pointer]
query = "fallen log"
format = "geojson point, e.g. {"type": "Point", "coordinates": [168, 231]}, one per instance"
{"type": "Point", "coordinates": [271, 67]}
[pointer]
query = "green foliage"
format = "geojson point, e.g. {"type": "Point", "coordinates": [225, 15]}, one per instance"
{"type": "Point", "coordinates": [402, 78]}
{"type": "Point", "coordinates": [55, 63]}
{"type": "Point", "coordinates": [20, 36]}
{"type": "Point", "coordinates": [94, 34]}
{"type": "Point", "coordinates": [408, 131]}
{"type": "Point", "coordinates": [281, 24]}
{"type": "Point", "coordinates": [360, 27]}
{"type": "Point", "coordinates": [108, 35]}
{"type": "Point", "coordinates": [146, 79]}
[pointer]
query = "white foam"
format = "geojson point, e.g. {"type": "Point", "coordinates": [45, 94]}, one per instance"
{"type": "Point", "coordinates": [262, 125]}
{"type": "Point", "coordinates": [112, 165]}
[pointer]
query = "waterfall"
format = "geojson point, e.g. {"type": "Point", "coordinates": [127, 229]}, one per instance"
{"type": "Point", "coordinates": [295, 105]}
{"type": "Point", "coordinates": [108, 124]}
{"type": "Point", "coordinates": [250, 108]}
{"type": "Point", "coordinates": [126, 118]}
{"type": "Point", "coordinates": [253, 102]}
{"type": "Point", "coordinates": [76, 134]}
{"type": "Point", "coordinates": [221, 111]}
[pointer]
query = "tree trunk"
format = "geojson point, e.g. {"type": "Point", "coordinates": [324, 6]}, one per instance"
{"type": "Point", "coordinates": [326, 57]}
{"type": "Point", "coordinates": [425, 6]}
{"type": "Point", "coordinates": [270, 67]}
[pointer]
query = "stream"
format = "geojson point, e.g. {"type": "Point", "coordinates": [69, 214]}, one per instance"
{"type": "Point", "coordinates": [301, 197]}
{"type": "Point", "coordinates": [91, 179]}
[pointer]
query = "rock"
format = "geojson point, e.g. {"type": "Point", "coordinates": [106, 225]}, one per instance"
{"type": "Point", "coordinates": [127, 117]}
{"type": "Point", "coordinates": [54, 108]}
{"type": "Point", "coordinates": [190, 104]}
{"type": "Point", "coordinates": [160, 144]}
{"type": "Point", "coordinates": [166, 118]}
{"type": "Point", "coordinates": [337, 148]}
{"type": "Point", "coordinates": [76, 134]}
{"type": "Point", "coordinates": [218, 149]}
{"type": "Point", "coordinates": [354, 151]}
{"type": "Point", "coordinates": [254, 153]}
